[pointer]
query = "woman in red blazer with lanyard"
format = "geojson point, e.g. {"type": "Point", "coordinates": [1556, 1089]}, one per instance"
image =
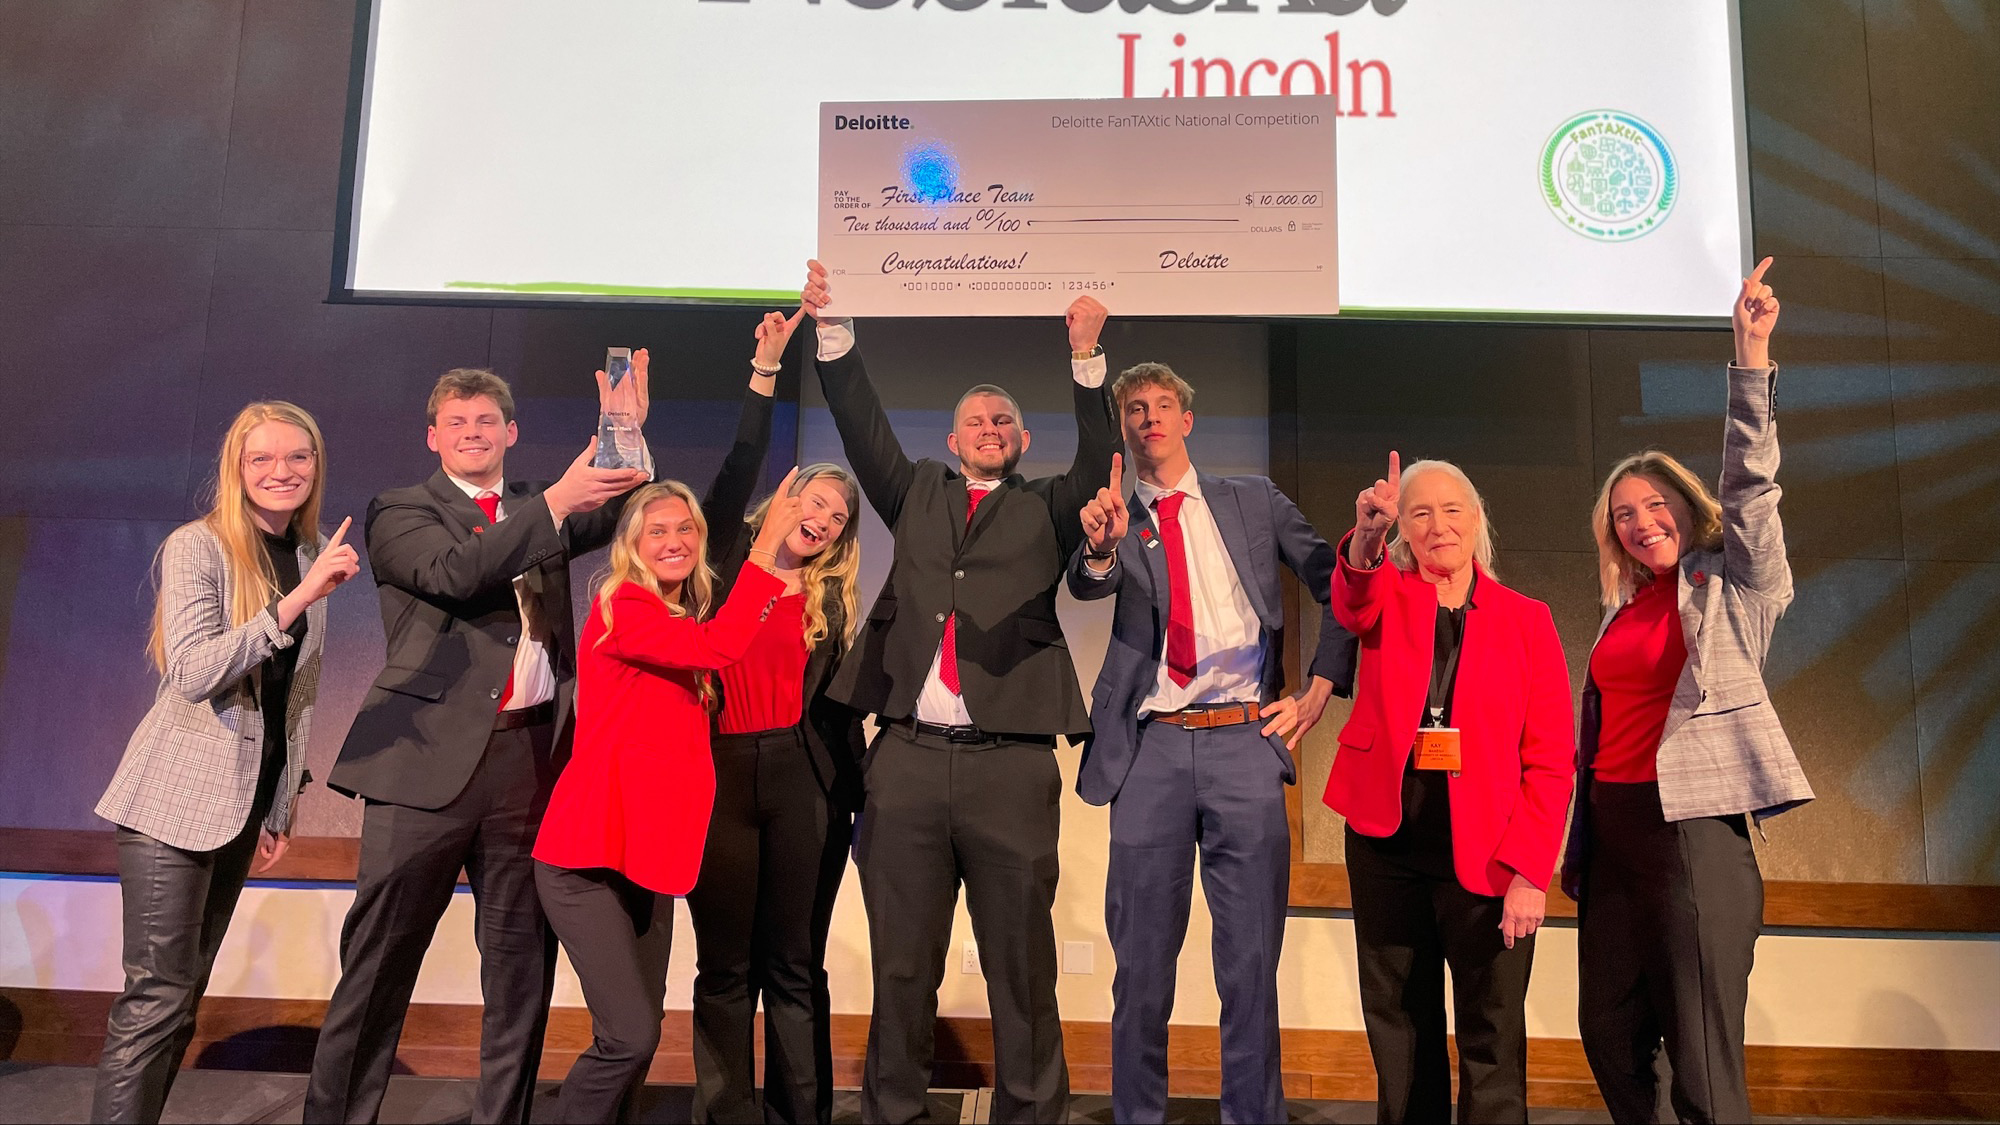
{"type": "Point", "coordinates": [627, 819]}
{"type": "Point", "coordinates": [1454, 775]}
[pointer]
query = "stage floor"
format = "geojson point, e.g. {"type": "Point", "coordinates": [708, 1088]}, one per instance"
{"type": "Point", "coordinates": [61, 1094]}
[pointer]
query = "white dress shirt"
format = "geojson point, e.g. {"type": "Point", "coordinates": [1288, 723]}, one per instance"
{"type": "Point", "coordinates": [937, 703]}
{"type": "Point", "coordinates": [534, 677]}
{"type": "Point", "coordinates": [1228, 638]}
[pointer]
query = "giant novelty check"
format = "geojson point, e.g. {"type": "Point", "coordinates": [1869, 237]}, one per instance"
{"type": "Point", "coordinates": [1157, 207]}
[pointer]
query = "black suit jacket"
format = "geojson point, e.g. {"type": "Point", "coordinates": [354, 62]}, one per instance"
{"type": "Point", "coordinates": [832, 729]}
{"type": "Point", "coordinates": [446, 582]}
{"type": "Point", "coordinates": [999, 575]}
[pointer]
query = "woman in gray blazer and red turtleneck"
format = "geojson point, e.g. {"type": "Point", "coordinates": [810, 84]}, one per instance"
{"type": "Point", "coordinates": [1678, 744]}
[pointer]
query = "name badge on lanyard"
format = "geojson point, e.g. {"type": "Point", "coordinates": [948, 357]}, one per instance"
{"type": "Point", "coordinates": [1437, 748]}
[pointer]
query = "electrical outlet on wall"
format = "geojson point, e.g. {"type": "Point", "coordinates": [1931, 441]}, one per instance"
{"type": "Point", "coordinates": [971, 962]}
{"type": "Point", "coordinates": [1079, 957]}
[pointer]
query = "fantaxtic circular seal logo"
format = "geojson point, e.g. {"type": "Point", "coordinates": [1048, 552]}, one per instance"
{"type": "Point", "coordinates": [1608, 175]}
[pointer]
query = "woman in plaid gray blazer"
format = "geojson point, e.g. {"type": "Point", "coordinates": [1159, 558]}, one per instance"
{"type": "Point", "coordinates": [209, 777]}
{"type": "Point", "coordinates": [1678, 744]}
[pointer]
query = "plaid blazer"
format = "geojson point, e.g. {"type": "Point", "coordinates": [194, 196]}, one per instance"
{"type": "Point", "coordinates": [1722, 750]}
{"type": "Point", "coordinates": [190, 771]}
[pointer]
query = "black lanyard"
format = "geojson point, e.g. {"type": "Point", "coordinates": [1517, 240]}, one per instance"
{"type": "Point", "coordinates": [1444, 674]}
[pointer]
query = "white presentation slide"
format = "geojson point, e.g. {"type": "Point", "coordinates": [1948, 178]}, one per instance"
{"type": "Point", "coordinates": [1560, 159]}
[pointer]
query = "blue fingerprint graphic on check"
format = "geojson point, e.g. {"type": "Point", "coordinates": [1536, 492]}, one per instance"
{"type": "Point", "coordinates": [930, 171]}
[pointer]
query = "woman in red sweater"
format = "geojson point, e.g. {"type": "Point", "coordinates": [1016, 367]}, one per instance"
{"type": "Point", "coordinates": [1453, 773]}
{"type": "Point", "coordinates": [625, 824]}
{"type": "Point", "coordinates": [787, 787]}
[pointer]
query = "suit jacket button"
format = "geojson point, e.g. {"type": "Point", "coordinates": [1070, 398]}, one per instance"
{"type": "Point", "coordinates": [958, 574]}
{"type": "Point", "coordinates": [512, 640]}
{"type": "Point", "coordinates": [940, 618]}
{"type": "Point", "coordinates": [494, 694]}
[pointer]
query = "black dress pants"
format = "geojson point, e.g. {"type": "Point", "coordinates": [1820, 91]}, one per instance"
{"type": "Point", "coordinates": [986, 814]}
{"type": "Point", "coordinates": [759, 912]}
{"type": "Point", "coordinates": [410, 860]}
{"type": "Point", "coordinates": [618, 936]}
{"type": "Point", "coordinates": [1409, 925]}
{"type": "Point", "coordinates": [177, 905]}
{"type": "Point", "coordinates": [1667, 933]}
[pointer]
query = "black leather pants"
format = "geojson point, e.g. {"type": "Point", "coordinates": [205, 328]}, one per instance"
{"type": "Point", "coordinates": [177, 908]}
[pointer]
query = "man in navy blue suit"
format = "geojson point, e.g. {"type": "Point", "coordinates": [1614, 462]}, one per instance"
{"type": "Point", "coordinates": [1192, 743]}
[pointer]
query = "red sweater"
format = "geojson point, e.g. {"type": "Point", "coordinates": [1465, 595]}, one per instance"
{"type": "Point", "coordinates": [766, 689]}
{"type": "Point", "coordinates": [1636, 664]}
{"type": "Point", "coordinates": [639, 787]}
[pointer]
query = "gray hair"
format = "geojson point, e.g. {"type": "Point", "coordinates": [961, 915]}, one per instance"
{"type": "Point", "coordinates": [1482, 546]}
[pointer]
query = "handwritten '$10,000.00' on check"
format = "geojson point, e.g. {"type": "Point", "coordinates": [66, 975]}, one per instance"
{"type": "Point", "coordinates": [1157, 207]}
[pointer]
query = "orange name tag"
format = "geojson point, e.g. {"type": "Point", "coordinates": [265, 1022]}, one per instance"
{"type": "Point", "coordinates": [1437, 748]}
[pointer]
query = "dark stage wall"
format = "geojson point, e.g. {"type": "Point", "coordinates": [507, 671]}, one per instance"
{"type": "Point", "coordinates": [168, 173]}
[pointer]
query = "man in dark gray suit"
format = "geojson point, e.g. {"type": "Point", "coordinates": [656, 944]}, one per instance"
{"type": "Point", "coordinates": [1191, 744]}
{"type": "Point", "coordinates": [964, 663]}
{"type": "Point", "coordinates": [459, 741]}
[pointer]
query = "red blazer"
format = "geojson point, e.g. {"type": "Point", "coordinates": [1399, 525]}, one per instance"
{"type": "Point", "coordinates": [1512, 703]}
{"type": "Point", "coordinates": [639, 787]}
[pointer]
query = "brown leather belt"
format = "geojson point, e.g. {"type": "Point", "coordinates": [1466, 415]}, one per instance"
{"type": "Point", "coordinates": [525, 716]}
{"type": "Point", "coordinates": [1213, 715]}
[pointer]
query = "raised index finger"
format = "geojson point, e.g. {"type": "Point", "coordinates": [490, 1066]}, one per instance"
{"type": "Point", "coordinates": [1756, 277]}
{"type": "Point", "coordinates": [1117, 474]}
{"type": "Point", "coordinates": [1395, 469]}
{"type": "Point", "coordinates": [339, 533]}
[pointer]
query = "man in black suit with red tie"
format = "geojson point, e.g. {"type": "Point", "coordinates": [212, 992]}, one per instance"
{"type": "Point", "coordinates": [458, 743]}
{"type": "Point", "coordinates": [964, 664]}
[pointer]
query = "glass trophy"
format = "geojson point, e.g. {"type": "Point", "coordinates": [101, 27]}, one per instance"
{"type": "Point", "coordinates": [618, 439]}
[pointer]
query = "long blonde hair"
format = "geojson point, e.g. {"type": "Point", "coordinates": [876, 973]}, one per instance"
{"type": "Point", "coordinates": [1619, 575]}
{"type": "Point", "coordinates": [833, 575]}
{"type": "Point", "coordinates": [229, 517]}
{"type": "Point", "coordinates": [1400, 552]}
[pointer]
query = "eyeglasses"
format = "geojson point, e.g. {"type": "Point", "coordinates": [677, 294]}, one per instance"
{"type": "Point", "coordinates": [298, 461]}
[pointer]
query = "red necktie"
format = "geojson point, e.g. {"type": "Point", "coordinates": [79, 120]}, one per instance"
{"type": "Point", "coordinates": [1180, 602]}
{"type": "Point", "coordinates": [948, 661]}
{"type": "Point", "coordinates": [489, 502]}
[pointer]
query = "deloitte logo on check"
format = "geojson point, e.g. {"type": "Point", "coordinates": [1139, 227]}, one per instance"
{"type": "Point", "coordinates": [1608, 175]}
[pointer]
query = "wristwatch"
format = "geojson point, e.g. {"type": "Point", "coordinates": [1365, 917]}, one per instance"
{"type": "Point", "coordinates": [1095, 351]}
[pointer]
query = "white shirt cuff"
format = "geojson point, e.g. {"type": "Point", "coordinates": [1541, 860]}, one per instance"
{"type": "Point", "coordinates": [836, 339]}
{"type": "Point", "coordinates": [1089, 372]}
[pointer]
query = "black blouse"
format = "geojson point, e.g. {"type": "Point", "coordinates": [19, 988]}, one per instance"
{"type": "Point", "coordinates": [275, 679]}
{"type": "Point", "coordinates": [1422, 842]}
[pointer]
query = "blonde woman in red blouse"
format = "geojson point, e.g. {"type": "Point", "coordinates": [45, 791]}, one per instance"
{"type": "Point", "coordinates": [787, 786]}
{"type": "Point", "coordinates": [1679, 743]}
{"type": "Point", "coordinates": [625, 824]}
